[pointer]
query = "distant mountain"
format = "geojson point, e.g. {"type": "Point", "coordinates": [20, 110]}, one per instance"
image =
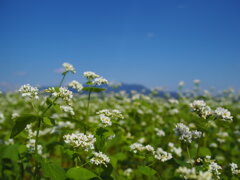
{"type": "Point", "coordinates": [128, 88]}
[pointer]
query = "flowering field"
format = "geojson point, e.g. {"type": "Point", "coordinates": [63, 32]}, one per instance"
{"type": "Point", "coordinates": [55, 134]}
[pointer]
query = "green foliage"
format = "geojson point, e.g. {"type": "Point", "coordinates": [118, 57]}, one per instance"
{"type": "Point", "coordinates": [79, 173]}
{"type": "Point", "coordinates": [147, 171]}
{"type": "Point", "coordinates": [53, 171]}
{"type": "Point", "coordinates": [21, 122]}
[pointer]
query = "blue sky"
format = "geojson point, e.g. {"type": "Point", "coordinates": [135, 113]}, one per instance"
{"type": "Point", "coordinates": [152, 42]}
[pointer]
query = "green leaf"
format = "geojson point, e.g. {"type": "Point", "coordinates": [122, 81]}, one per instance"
{"type": "Point", "coordinates": [204, 151]}
{"type": "Point", "coordinates": [48, 121]}
{"type": "Point", "coordinates": [79, 173]}
{"type": "Point", "coordinates": [53, 171]}
{"type": "Point", "coordinates": [21, 122]}
{"type": "Point", "coordinates": [146, 170]}
{"type": "Point", "coordinates": [93, 89]}
{"type": "Point", "coordinates": [11, 152]}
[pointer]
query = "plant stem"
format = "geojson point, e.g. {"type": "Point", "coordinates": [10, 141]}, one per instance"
{"type": "Point", "coordinates": [64, 75]}
{"type": "Point", "coordinates": [88, 104]}
{"type": "Point", "coordinates": [188, 153]}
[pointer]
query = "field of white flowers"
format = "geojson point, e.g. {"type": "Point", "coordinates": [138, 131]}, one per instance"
{"type": "Point", "coordinates": [57, 134]}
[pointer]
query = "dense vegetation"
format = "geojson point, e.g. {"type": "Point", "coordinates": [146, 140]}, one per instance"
{"type": "Point", "coordinates": [55, 134]}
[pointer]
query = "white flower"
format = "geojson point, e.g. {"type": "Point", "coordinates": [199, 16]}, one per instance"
{"type": "Point", "coordinates": [29, 91]}
{"type": "Point", "coordinates": [100, 80]}
{"type": "Point", "coordinates": [105, 120]}
{"type": "Point", "coordinates": [196, 81]}
{"type": "Point", "coordinates": [69, 68]}
{"type": "Point", "coordinates": [90, 75]}
{"type": "Point", "coordinates": [127, 172]}
{"type": "Point", "coordinates": [99, 158]}
{"type": "Point", "coordinates": [204, 175]}
{"type": "Point", "coordinates": [214, 168]}
{"type": "Point", "coordinates": [67, 109]}
{"type": "Point", "coordinates": [234, 168]}
{"type": "Point", "coordinates": [80, 140]}
{"type": "Point", "coordinates": [181, 83]}
{"type": "Point", "coordinates": [76, 85]}
{"type": "Point", "coordinates": [173, 101]}
{"type": "Point", "coordinates": [159, 132]}
{"type": "Point", "coordinates": [196, 134]}
{"type": "Point", "coordinates": [137, 147]}
{"type": "Point", "coordinates": [224, 114]}
{"type": "Point", "coordinates": [200, 107]}
{"type": "Point", "coordinates": [173, 149]}
{"type": "Point", "coordinates": [62, 92]}
{"type": "Point", "coordinates": [31, 146]}
{"type": "Point", "coordinates": [183, 132]}
{"type": "Point", "coordinates": [187, 173]}
{"type": "Point", "coordinates": [149, 148]}
{"type": "Point", "coordinates": [162, 155]}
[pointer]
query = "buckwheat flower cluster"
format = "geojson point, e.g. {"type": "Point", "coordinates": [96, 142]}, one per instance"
{"type": "Point", "coordinates": [80, 140]}
{"type": "Point", "coordinates": [191, 173]}
{"type": "Point", "coordinates": [184, 133]}
{"type": "Point", "coordinates": [187, 173]}
{"type": "Point", "coordinates": [214, 168]}
{"type": "Point", "coordinates": [31, 146]}
{"type": "Point", "coordinates": [127, 172]}
{"type": "Point", "coordinates": [63, 93]}
{"type": "Point", "coordinates": [29, 91]}
{"type": "Point", "coordinates": [106, 121]}
{"type": "Point", "coordinates": [224, 114]}
{"type": "Point", "coordinates": [67, 109]}
{"type": "Point", "coordinates": [173, 149]}
{"type": "Point", "coordinates": [99, 158]}
{"type": "Point", "coordinates": [135, 147]}
{"type": "Point", "coordinates": [69, 68]}
{"type": "Point", "coordinates": [106, 116]}
{"type": "Point", "coordinates": [234, 169]}
{"type": "Point", "coordinates": [90, 75]}
{"type": "Point", "coordinates": [200, 107]}
{"type": "Point", "coordinates": [159, 132]}
{"type": "Point", "coordinates": [76, 85]}
{"type": "Point", "coordinates": [100, 80]}
{"type": "Point", "coordinates": [196, 81]}
{"type": "Point", "coordinates": [173, 101]}
{"type": "Point", "coordinates": [162, 155]}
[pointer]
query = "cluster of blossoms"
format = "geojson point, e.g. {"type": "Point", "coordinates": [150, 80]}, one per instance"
{"type": "Point", "coordinates": [76, 85]}
{"type": "Point", "coordinates": [90, 75]}
{"type": "Point", "coordinates": [159, 154]}
{"type": "Point", "coordinates": [159, 132]}
{"type": "Point", "coordinates": [127, 172]}
{"type": "Point", "coordinates": [173, 101]}
{"type": "Point", "coordinates": [31, 141]}
{"type": "Point", "coordinates": [191, 173]}
{"type": "Point", "coordinates": [234, 169]}
{"type": "Point", "coordinates": [162, 155]}
{"type": "Point", "coordinates": [67, 109]}
{"type": "Point", "coordinates": [173, 149]}
{"type": "Point", "coordinates": [62, 92]}
{"type": "Point", "coordinates": [204, 111]}
{"type": "Point", "coordinates": [29, 91]}
{"type": "Point", "coordinates": [69, 68]}
{"type": "Point", "coordinates": [224, 114]}
{"type": "Point", "coordinates": [100, 80]}
{"type": "Point", "coordinates": [106, 116]}
{"type": "Point", "coordinates": [184, 133]}
{"type": "Point", "coordinates": [80, 140]}
{"type": "Point", "coordinates": [214, 168]}
{"type": "Point", "coordinates": [99, 158]}
{"type": "Point", "coordinates": [31, 146]}
{"type": "Point", "coordinates": [200, 107]}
